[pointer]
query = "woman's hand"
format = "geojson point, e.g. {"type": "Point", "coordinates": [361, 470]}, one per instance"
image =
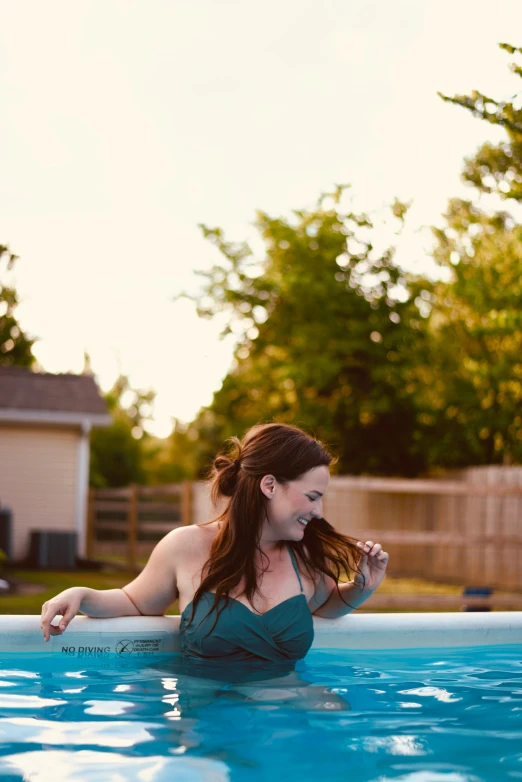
{"type": "Point", "coordinates": [66, 604]}
{"type": "Point", "coordinates": [371, 565]}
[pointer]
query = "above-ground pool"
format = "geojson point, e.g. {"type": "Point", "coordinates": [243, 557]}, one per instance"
{"type": "Point", "coordinates": [410, 697]}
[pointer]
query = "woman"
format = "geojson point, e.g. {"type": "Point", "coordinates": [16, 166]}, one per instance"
{"type": "Point", "coordinates": [249, 581]}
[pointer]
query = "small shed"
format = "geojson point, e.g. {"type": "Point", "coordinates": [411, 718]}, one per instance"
{"type": "Point", "coordinates": [45, 421]}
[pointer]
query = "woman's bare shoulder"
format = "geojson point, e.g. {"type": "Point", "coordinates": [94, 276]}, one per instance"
{"type": "Point", "coordinates": [193, 538]}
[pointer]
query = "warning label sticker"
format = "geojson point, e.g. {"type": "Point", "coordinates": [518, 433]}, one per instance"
{"type": "Point", "coordinates": [104, 646]}
{"type": "Point", "coordinates": [139, 646]}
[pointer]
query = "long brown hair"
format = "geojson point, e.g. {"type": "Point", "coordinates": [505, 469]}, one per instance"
{"type": "Point", "coordinates": [286, 452]}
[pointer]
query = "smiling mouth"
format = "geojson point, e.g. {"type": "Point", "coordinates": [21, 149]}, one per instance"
{"type": "Point", "coordinates": [302, 521]}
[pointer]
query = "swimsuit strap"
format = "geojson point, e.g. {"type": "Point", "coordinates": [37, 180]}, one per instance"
{"type": "Point", "coordinates": [295, 566]}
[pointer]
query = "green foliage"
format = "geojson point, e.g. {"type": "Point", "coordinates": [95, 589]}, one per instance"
{"type": "Point", "coordinates": [330, 337]}
{"type": "Point", "coordinates": [15, 345]}
{"type": "Point", "coordinates": [475, 375]}
{"type": "Point", "coordinates": [496, 168]}
{"type": "Point", "coordinates": [132, 404]}
{"type": "Point", "coordinates": [174, 459]}
{"type": "Point", "coordinates": [116, 457]}
{"type": "Point", "coordinates": [398, 374]}
{"type": "Point", "coordinates": [118, 451]}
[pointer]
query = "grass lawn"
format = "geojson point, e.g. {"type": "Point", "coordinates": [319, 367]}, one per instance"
{"type": "Point", "coordinates": [56, 581]}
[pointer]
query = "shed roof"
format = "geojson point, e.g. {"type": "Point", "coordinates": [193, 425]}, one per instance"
{"type": "Point", "coordinates": [26, 395]}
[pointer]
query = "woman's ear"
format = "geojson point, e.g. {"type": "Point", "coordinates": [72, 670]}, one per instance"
{"type": "Point", "coordinates": [267, 486]}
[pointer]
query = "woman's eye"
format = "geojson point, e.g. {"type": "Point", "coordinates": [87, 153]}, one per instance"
{"type": "Point", "coordinates": [312, 499]}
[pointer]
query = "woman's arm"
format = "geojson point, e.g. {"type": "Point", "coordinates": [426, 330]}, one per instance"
{"type": "Point", "coordinates": [155, 588]}
{"type": "Point", "coordinates": [371, 571]}
{"type": "Point", "coordinates": [150, 594]}
{"type": "Point", "coordinates": [334, 606]}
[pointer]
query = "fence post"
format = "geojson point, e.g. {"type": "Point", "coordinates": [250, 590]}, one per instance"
{"type": "Point", "coordinates": [186, 503]}
{"type": "Point", "coordinates": [132, 530]}
{"type": "Point", "coordinates": [91, 521]}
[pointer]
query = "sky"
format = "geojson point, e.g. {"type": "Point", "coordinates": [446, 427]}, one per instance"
{"type": "Point", "coordinates": [126, 124]}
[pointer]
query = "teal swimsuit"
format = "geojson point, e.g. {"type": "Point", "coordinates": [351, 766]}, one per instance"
{"type": "Point", "coordinates": [283, 633]}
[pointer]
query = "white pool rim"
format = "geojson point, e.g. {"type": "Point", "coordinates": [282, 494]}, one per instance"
{"type": "Point", "coordinates": [147, 636]}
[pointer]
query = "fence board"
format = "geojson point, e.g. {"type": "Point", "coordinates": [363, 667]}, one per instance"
{"type": "Point", "coordinates": [105, 526]}
{"type": "Point", "coordinates": [157, 507]}
{"type": "Point", "coordinates": [416, 538]}
{"type": "Point", "coordinates": [116, 505]}
{"type": "Point", "coordinates": [90, 537]}
{"type": "Point", "coordinates": [420, 486]}
{"type": "Point", "coordinates": [186, 503]}
{"type": "Point", "coordinates": [474, 524]}
{"type": "Point", "coordinates": [162, 490]}
{"type": "Point", "coordinates": [106, 494]}
{"type": "Point", "coordinates": [377, 601]}
{"type": "Point", "coordinates": [510, 525]}
{"type": "Point", "coordinates": [133, 527]}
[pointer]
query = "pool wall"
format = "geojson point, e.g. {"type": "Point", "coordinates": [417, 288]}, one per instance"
{"type": "Point", "coordinates": [149, 636]}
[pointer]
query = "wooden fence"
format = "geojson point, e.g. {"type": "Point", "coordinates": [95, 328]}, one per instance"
{"type": "Point", "coordinates": [128, 522]}
{"type": "Point", "coordinates": [466, 531]}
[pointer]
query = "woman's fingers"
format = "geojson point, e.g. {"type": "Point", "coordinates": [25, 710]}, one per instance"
{"type": "Point", "coordinates": [45, 622]}
{"type": "Point", "coordinates": [69, 614]}
{"type": "Point", "coordinates": [371, 549]}
{"type": "Point", "coordinates": [49, 611]}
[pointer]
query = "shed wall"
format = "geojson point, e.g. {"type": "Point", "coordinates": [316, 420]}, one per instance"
{"type": "Point", "coordinates": [38, 477]}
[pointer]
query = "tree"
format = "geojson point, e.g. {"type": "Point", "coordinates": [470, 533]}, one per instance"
{"type": "Point", "coordinates": [175, 458]}
{"type": "Point", "coordinates": [496, 168]}
{"type": "Point", "coordinates": [15, 345]}
{"type": "Point", "coordinates": [117, 452]}
{"type": "Point", "coordinates": [329, 337]}
{"type": "Point", "coordinates": [475, 383]}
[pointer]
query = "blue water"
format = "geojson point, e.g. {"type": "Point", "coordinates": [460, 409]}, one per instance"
{"type": "Point", "coordinates": [432, 715]}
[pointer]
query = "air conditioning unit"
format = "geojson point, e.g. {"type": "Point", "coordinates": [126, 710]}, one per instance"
{"type": "Point", "coordinates": [52, 550]}
{"type": "Point", "coordinates": [6, 519]}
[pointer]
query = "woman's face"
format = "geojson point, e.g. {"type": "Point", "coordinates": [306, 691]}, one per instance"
{"type": "Point", "coordinates": [293, 505]}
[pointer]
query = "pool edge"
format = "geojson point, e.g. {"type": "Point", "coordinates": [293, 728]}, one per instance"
{"type": "Point", "coordinates": [149, 636]}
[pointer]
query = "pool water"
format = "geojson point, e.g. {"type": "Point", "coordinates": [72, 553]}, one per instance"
{"type": "Point", "coordinates": [441, 715]}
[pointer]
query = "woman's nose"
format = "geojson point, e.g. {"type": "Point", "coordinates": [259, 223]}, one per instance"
{"type": "Point", "coordinates": [318, 514]}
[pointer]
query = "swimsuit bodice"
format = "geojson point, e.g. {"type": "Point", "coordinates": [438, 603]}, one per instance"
{"type": "Point", "coordinates": [284, 632]}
